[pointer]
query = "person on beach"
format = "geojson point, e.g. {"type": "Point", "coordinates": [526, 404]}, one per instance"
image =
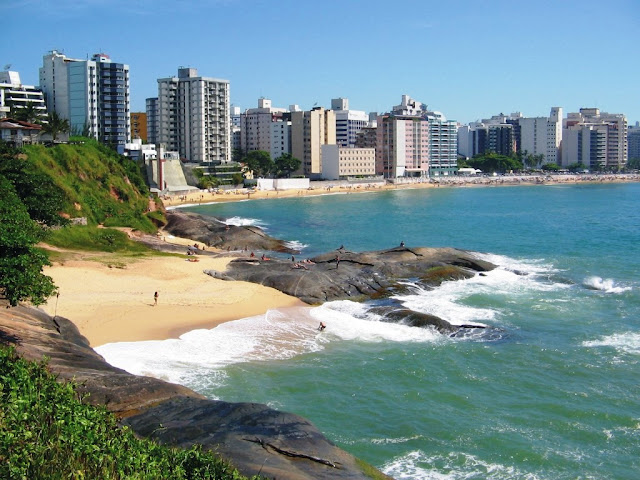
{"type": "Point", "coordinates": [402, 244]}
{"type": "Point", "coordinates": [321, 327]}
{"type": "Point", "coordinates": [155, 299]}
{"type": "Point", "coordinates": [337, 261]}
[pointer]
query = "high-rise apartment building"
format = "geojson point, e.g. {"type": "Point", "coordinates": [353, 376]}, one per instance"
{"type": "Point", "coordinates": [152, 119]}
{"type": "Point", "coordinates": [402, 147]}
{"type": "Point", "coordinates": [139, 125]}
{"type": "Point", "coordinates": [15, 95]}
{"type": "Point", "coordinates": [597, 140]}
{"type": "Point", "coordinates": [542, 136]}
{"type": "Point", "coordinates": [348, 122]}
{"type": "Point", "coordinates": [92, 94]}
{"type": "Point", "coordinates": [633, 142]}
{"type": "Point", "coordinates": [443, 144]}
{"type": "Point", "coordinates": [309, 131]}
{"type": "Point", "coordinates": [194, 116]}
{"type": "Point", "coordinates": [255, 126]}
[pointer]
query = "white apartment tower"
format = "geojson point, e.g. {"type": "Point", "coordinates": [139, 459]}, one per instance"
{"type": "Point", "coordinates": [194, 116]}
{"type": "Point", "coordinates": [348, 122]}
{"type": "Point", "coordinates": [14, 94]}
{"type": "Point", "coordinates": [255, 126]}
{"type": "Point", "coordinates": [92, 94]}
{"type": "Point", "coordinates": [542, 135]}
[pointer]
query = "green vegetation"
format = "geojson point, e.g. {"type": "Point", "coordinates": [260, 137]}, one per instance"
{"type": "Point", "coordinates": [54, 125]}
{"type": "Point", "coordinates": [47, 432]}
{"type": "Point", "coordinates": [286, 164]}
{"type": "Point", "coordinates": [95, 239]}
{"type": "Point", "coordinates": [492, 162]}
{"type": "Point", "coordinates": [97, 183]}
{"type": "Point", "coordinates": [259, 162]}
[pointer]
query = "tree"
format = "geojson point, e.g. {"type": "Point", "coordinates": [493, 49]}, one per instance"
{"type": "Point", "coordinates": [42, 198]}
{"type": "Point", "coordinates": [55, 125]}
{"type": "Point", "coordinates": [27, 113]}
{"type": "Point", "coordinates": [492, 162]}
{"type": "Point", "coordinates": [259, 161]}
{"type": "Point", "coordinates": [576, 167]}
{"type": "Point", "coordinates": [285, 164]}
{"type": "Point", "coordinates": [21, 276]}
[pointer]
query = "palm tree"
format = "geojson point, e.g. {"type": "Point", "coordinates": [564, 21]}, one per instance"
{"type": "Point", "coordinates": [55, 125]}
{"type": "Point", "coordinates": [27, 113]}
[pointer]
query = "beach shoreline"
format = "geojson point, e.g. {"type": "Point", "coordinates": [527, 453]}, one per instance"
{"type": "Point", "coordinates": [204, 197]}
{"type": "Point", "coordinates": [110, 304]}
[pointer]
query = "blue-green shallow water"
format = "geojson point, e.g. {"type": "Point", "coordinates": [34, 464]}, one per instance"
{"type": "Point", "coordinates": [550, 392]}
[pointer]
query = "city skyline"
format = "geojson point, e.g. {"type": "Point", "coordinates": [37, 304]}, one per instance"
{"type": "Point", "coordinates": [468, 59]}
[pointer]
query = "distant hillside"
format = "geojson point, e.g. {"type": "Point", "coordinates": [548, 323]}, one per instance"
{"type": "Point", "coordinates": [99, 184]}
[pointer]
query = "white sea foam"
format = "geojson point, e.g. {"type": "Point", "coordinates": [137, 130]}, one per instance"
{"type": "Point", "coordinates": [279, 334]}
{"type": "Point", "coordinates": [243, 222]}
{"type": "Point", "coordinates": [416, 465]}
{"type": "Point", "coordinates": [295, 245]}
{"type": "Point", "coordinates": [623, 342]}
{"type": "Point", "coordinates": [605, 285]}
{"type": "Point", "coordinates": [512, 279]}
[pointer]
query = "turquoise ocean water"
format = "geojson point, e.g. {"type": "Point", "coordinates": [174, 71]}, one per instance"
{"type": "Point", "coordinates": [549, 391]}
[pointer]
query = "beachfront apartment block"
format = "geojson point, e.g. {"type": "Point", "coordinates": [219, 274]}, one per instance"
{"type": "Point", "coordinates": [402, 146]}
{"type": "Point", "coordinates": [596, 139]}
{"type": "Point", "coordinates": [633, 142]}
{"type": "Point", "coordinates": [499, 134]}
{"type": "Point", "coordinates": [193, 117]}
{"type": "Point", "coordinates": [151, 107]}
{"type": "Point", "coordinates": [443, 145]}
{"type": "Point", "coordinates": [255, 126]}
{"type": "Point", "coordinates": [348, 122]}
{"type": "Point", "coordinates": [309, 131]}
{"type": "Point", "coordinates": [14, 95]}
{"type": "Point", "coordinates": [340, 162]}
{"type": "Point", "coordinates": [92, 94]}
{"type": "Point", "coordinates": [542, 136]}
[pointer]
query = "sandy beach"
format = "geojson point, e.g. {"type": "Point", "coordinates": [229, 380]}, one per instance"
{"type": "Point", "coordinates": [116, 304]}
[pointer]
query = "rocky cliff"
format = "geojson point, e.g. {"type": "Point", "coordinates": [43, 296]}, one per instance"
{"type": "Point", "coordinates": [254, 437]}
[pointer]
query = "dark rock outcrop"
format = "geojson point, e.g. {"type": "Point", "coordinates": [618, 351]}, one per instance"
{"type": "Point", "coordinates": [215, 233]}
{"type": "Point", "coordinates": [357, 276]}
{"type": "Point", "coordinates": [254, 437]}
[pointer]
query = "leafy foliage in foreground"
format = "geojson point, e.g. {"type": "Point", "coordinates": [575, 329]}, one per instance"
{"type": "Point", "coordinates": [47, 432]}
{"type": "Point", "coordinates": [95, 239]}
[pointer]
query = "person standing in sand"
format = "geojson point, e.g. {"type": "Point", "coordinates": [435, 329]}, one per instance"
{"type": "Point", "coordinates": [155, 299]}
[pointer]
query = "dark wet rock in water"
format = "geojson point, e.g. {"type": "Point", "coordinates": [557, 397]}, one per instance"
{"type": "Point", "coordinates": [213, 232]}
{"type": "Point", "coordinates": [409, 317]}
{"type": "Point", "coordinates": [253, 437]}
{"type": "Point", "coordinates": [357, 276]}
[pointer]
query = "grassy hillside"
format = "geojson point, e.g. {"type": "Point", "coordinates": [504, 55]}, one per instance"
{"type": "Point", "coordinates": [99, 184]}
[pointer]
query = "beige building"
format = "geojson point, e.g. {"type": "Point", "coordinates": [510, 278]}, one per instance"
{"type": "Point", "coordinates": [342, 162]}
{"type": "Point", "coordinates": [309, 131]}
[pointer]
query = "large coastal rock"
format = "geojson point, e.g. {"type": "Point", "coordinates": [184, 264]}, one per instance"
{"type": "Point", "coordinates": [254, 437]}
{"type": "Point", "coordinates": [213, 232]}
{"type": "Point", "coordinates": [356, 276]}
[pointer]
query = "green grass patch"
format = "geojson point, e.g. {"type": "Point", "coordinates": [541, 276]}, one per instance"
{"type": "Point", "coordinates": [96, 240]}
{"type": "Point", "coordinates": [47, 432]}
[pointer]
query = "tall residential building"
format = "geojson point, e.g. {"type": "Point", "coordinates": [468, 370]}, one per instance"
{"type": "Point", "coordinates": [633, 142]}
{"type": "Point", "coordinates": [281, 137]}
{"type": "Point", "coordinates": [309, 131]}
{"type": "Point", "coordinates": [194, 116]}
{"type": "Point", "coordinates": [92, 94]}
{"type": "Point", "coordinates": [598, 140]}
{"type": "Point", "coordinates": [348, 122]}
{"type": "Point", "coordinates": [255, 126]}
{"type": "Point", "coordinates": [402, 147]}
{"type": "Point", "coordinates": [152, 119]}
{"type": "Point", "coordinates": [13, 94]}
{"type": "Point", "coordinates": [443, 144]}
{"type": "Point", "coordinates": [542, 135]}
{"type": "Point", "coordinates": [499, 134]}
{"type": "Point", "coordinates": [139, 125]}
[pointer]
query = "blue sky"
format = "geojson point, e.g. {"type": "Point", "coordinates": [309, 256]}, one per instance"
{"type": "Point", "coordinates": [468, 59]}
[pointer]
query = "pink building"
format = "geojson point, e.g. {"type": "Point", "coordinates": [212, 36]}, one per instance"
{"type": "Point", "coordinates": [402, 146]}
